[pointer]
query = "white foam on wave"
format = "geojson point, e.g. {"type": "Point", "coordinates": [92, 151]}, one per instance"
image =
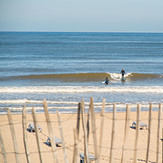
{"type": "Point", "coordinates": [82, 89]}
{"type": "Point", "coordinates": [27, 101]}
{"type": "Point", "coordinates": [118, 76]}
{"type": "Point", "coordinates": [119, 106]}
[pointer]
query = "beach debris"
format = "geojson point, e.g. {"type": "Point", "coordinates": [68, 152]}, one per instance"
{"type": "Point", "coordinates": [57, 140]}
{"type": "Point", "coordinates": [90, 157]}
{"type": "Point", "coordinates": [142, 125]}
{"type": "Point", "coordinates": [31, 127]}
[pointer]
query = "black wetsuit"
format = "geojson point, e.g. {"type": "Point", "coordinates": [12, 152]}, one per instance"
{"type": "Point", "coordinates": [106, 81]}
{"type": "Point", "coordinates": [123, 73]}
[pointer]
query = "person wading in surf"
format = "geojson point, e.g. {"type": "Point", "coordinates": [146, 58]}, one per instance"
{"type": "Point", "coordinates": [123, 73]}
{"type": "Point", "coordinates": [106, 81]}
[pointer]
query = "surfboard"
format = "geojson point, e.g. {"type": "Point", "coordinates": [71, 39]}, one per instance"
{"type": "Point", "coordinates": [103, 82]}
{"type": "Point", "coordinates": [123, 79]}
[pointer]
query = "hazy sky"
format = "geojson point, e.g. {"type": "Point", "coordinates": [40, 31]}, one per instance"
{"type": "Point", "coordinates": [82, 15]}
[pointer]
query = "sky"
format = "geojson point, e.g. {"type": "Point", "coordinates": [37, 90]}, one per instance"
{"type": "Point", "coordinates": [82, 15]}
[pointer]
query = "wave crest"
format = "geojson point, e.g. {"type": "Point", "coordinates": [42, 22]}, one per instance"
{"type": "Point", "coordinates": [83, 77]}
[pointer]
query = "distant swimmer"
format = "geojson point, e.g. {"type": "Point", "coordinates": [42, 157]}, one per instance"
{"type": "Point", "coordinates": [123, 73]}
{"type": "Point", "coordinates": [106, 81]}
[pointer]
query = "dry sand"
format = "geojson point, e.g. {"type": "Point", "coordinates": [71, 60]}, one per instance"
{"type": "Point", "coordinates": [68, 124]}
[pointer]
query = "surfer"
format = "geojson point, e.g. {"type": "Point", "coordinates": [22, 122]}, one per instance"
{"type": "Point", "coordinates": [106, 81]}
{"type": "Point", "coordinates": [123, 73]}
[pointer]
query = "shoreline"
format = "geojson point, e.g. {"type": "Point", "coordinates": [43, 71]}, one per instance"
{"type": "Point", "coordinates": [72, 107]}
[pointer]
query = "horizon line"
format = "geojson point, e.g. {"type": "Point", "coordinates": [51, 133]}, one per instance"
{"type": "Point", "coordinates": [86, 31]}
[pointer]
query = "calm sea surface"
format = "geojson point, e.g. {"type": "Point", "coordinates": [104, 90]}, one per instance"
{"type": "Point", "coordinates": [68, 67]}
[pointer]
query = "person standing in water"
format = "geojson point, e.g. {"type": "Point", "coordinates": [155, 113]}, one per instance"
{"type": "Point", "coordinates": [106, 81]}
{"type": "Point", "coordinates": [123, 73]}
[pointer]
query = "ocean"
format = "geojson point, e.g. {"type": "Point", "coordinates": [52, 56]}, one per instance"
{"type": "Point", "coordinates": [66, 67]}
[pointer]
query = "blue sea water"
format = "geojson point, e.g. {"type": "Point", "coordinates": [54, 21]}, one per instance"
{"type": "Point", "coordinates": [71, 66]}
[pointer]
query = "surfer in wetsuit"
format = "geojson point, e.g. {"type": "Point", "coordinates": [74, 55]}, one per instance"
{"type": "Point", "coordinates": [123, 73]}
{"type": "Point", "coordinates": [106, 81]}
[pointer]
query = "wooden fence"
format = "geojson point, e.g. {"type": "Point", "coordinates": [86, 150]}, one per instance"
{"type": "Point", "coordinates": [89, 125]}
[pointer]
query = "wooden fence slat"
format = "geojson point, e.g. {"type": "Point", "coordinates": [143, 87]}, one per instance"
{"type": "Point", "coordinates": [102, 126]}
{"type": "Point", "coordinates": [13, 136]}
{"type": "Point", "coordinates": [76, 150]}
{"type": "Point", "coordinates": [62, 137]}
{"type": "Point", "coordinates": [88, 122]}
{"type": "Point", "coordinates": [85, 133]}
{"type": "Point", "coordinates": [24, 125]}
{"type": "Point", "coordinates": [137, 131]}
{"type": "Point", "coordinates": [113, 132]}
{"type": "Point", "coordinates": [3, 148]}
{"type": "Point", "coordinates": [51, 135]}
{"type": "Point", "coordinates": [76, 136]}
{"type": "Point", "coordinates": [149, 133]}
{"type": "Point", "coordinates": [126, 130]}
{"type": "Point", "coordinates": [93, 122]}
{"type": "Point", "coordinates": [162, 145]}
{"type": "Point", "coordinates": [158, 132]}
{"type": "Point", "coordinates": [37, 134]}
{"type": "Point", "coordinates": [78, 120]}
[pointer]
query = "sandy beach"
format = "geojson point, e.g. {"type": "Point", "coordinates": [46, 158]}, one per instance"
{"type": "Point", "coordinates": [69, 122]}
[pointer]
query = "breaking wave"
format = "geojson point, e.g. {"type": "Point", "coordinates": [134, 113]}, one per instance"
{"type": "Point", "coordinates": [83, 77]}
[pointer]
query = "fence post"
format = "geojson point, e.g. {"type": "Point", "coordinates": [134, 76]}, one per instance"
{"type": "Point", "coordinates": [102, 126]}
{"type": "Point", "coordinates": [24, 124]}
{"type": "Point", "coordinates": [85, 133]}
{"type": "Point", "coordinates": [63, 142]}
{"type": "Point", "coordinates": [76, 151]}
{"type": "Point", "coordinates": [76, 136]}
{"type": "Point", "coordinates": [149, 133]}
{"type": "Point", "coordinates": [78, 120]}
{"type": "Point", "coordinates": [37, 133]}
{"type": "Point", "coordinates": [88, 121]}
{"type": "Point", "coordinates": [53, 147]}
{"type": "Point", "coordinates": [13, 136]}
{"type": "Point", "coordinates": [158, 132]}
{"type": "Point", "coordinates": [113, 132]}
{"type": "Point", "coordinates": [93, 122]}
{"type": "Point", "coordinates": [3, 148]}
{"type": "Point", "coordinates": [162, 145]}
{"type": "Point", "coordinates": [137, 131]}
{"type": "Point", "coordinates": [126, 131]}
